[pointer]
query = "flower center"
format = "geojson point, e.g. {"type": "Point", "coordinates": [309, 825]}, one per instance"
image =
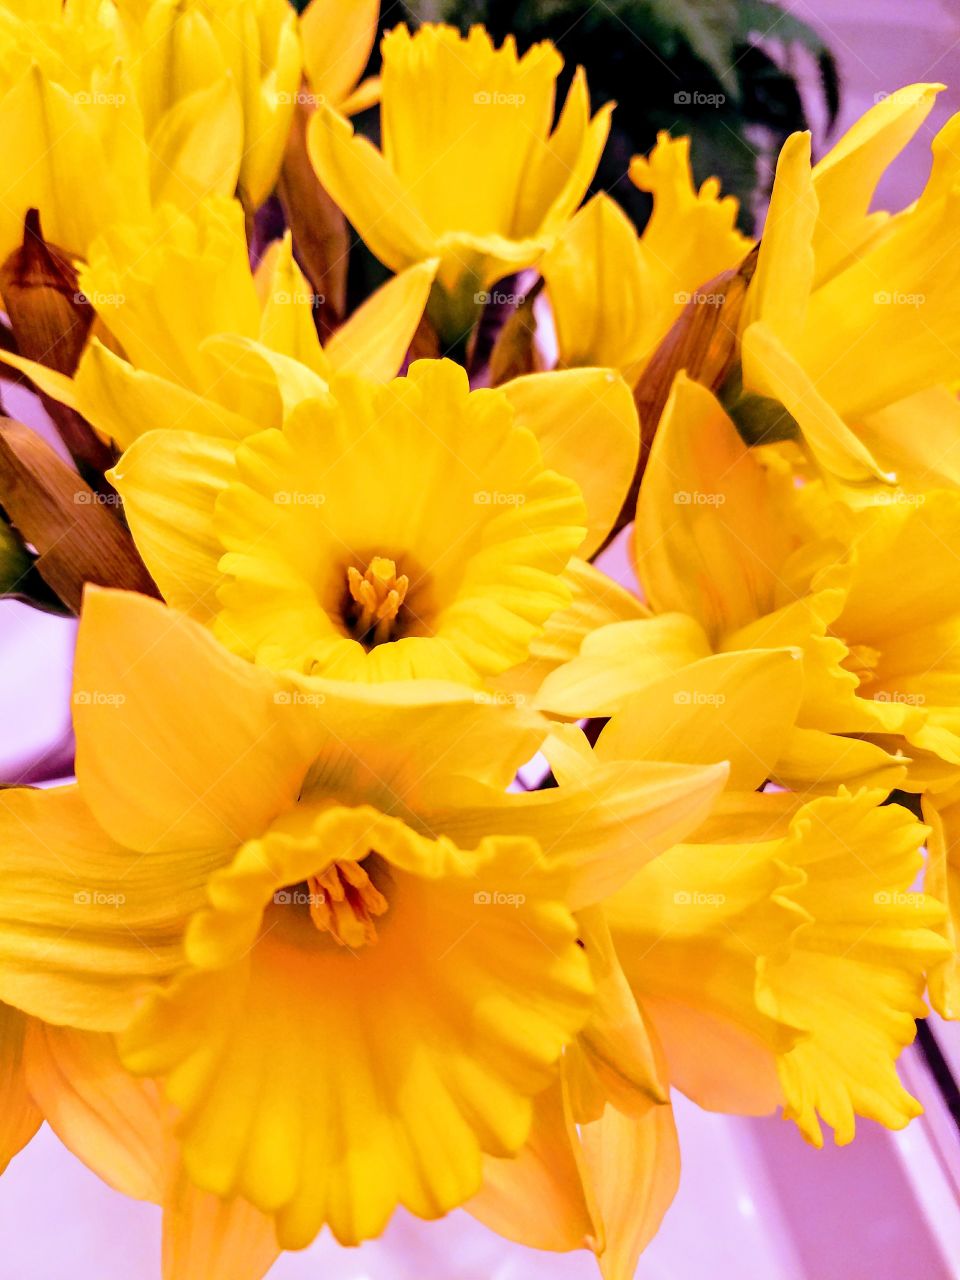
{"type": "Point", "coordinates": [374, 601]}
{"type": "Point", "coordinates": [344, 902]}
{"type": "Point", "coordinates": [862, 661]}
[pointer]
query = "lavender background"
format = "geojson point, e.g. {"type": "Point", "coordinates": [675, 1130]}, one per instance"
{"type": "Point", "coordinates": [755, 1203]}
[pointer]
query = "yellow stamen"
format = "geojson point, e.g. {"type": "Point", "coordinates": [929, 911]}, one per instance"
{"type": "Point", "coordinates": [862, 661]}
{"type": "Point", "coordinates": [344, 901]}
{"type": "Point", "coordinates": [377, 596]}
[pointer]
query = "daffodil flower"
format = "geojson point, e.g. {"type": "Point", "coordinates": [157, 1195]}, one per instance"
{"type": "Point", "coordinates": [115, 109]}
{"type": "Point", "coordinates": [181, 51]}
{"type": "Point", "coordinates": [470, 171]}
{"type": "Point", "coordinates": [419, 529]}
{"type": "Point", "coordinates": [614, 294]}
{"type": "Point", "coordinates": [316, 917]}
{"type": "Point", "coordinates": [754, 966]}
{"type": "Point", "coordinates": [208, 346]}
{"type": "Point", "coordinates": [730, 559]}
{"type": "Point", "coordinates": [838, 328]}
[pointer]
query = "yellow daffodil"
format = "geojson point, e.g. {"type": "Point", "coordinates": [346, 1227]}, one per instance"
{"type": "Point", "coordinates": [614, 294]}
{"type": "Point", "coordinates": [818, 957]}
{"type": "Point", "coordinates": [208, 347]}
{"type": "Point", "coordinates": [729, 559]}
{"type": "Point", "coordinates": [115, 108]}
{"type": "Point", "coordinates": [816, 948]}
{"type": "Point", "coordinates": [350, 844]}
{"type": "Point", "coordinates": [73, 144]}
{"type": "Point", "coordinates": [470, 171]}
{"type": "Point", "coordinates": [849, 332]}
{"type": "Point", "coordinates": [419, 529]}
{"type": "Point", "coordinates": [187, 55]}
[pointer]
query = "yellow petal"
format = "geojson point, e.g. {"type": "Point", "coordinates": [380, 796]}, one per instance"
{"type": "Point", "coordinates": [601, 827]}
{"type": "Point", "coordinates": [691, 235]}
{"type": "Point", "coordinates": [20, 1116]}
{"type": "Point", "coordinates": [54, 143]}
{"type": "Point", "coordinates": [440, 1048]}
{"type": "Point", "coordinates": [84, 924]}
{"type": "Point", "coordinates": [337, 38]}
{"type": "Point", "coordinates": [462, 120]}
{"type": "Point", "coordinates": [710, 909]}
{"type": "Point", "coordinates": [165, 285]}
{"type": "Point", "coordinates": [375, 339]}
{"type": "Point", "coordinates": [846, 178]}
{"type": "Point", "coordinates": [771, 370]}
{"type": "Point", "coordinates": [855, 977]}
{"type": "Point", "coordinates": [204, 1235]}
{"type": "Point", "coordinates": [270, 385]}
{"type": "Point", "coordinates": [739, 707]}
{"type": "Point", "coordinates": [123, 402]}
{"type": "Point", "coordinates": [710, 536]}
{"type": "Point", "coordinates": [366, 95]}
{"type": "Point", "coordinates": [618, 659]}
{"type": "Point", "coordinates": [633, 1164]}
{"type": "Point", "coordinates": [48, 381]}
{"type": "Point", "coordinates": [287, 324]}
{"type": "Point", "coordinates": [880, 311]}
{"type": "Point", "coordinates": [600, 287]}
{"type": "Point", "coordinates": [169, 482]}
{"type": "Point", "coordinates": [269, 104]}
{"type": "Point", "coordinates": [813, 761]}
{"type": "Point", "coordinates": [781, 287]}
{"type": "Point", "coordinates": [586, 423]}
{"type": "Point", "coordinates": [916, 440]}
{"type": "Point", "coordinates": [597, 602]}
{"type": "Point", "coordinates": [537, 1198]}
{"type": "Point", "coordinates": [111, 1120]}
{"type": "Point", "coordinates": [197, 147]}
{"type": "Point", "coordinates": [552, 164]}
{"type": "Point", "coordinates": [615, 1058]}
{"type": "Point", "coordinates": [368, 191]}
{"type": "Point", "coordinates": [140, 669]}
{"type": "Point", "coordinates": [583, 168]}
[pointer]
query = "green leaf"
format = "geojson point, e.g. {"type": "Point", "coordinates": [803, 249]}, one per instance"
{"type": "Point", "coordinates": [709, 27]}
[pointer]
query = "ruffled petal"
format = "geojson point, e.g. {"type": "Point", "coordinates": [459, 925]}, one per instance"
{"type": "Point", "coordinates": [854, 979]}
{"type": "Point", "coordinates": [445, 1027]}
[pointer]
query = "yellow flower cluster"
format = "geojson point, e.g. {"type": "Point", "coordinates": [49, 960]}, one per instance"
{"type": "Point", "coordinates": [296, 949]}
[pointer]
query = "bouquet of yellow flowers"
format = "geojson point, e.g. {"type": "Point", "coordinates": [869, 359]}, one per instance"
{"type": "Point", "coordinates": [413, 859]}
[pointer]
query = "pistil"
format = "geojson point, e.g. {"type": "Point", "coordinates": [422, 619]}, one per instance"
{"type": "Point", "coordinates": [376, 598]}
{"type": "Point", "coordinates": [344, 902]}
